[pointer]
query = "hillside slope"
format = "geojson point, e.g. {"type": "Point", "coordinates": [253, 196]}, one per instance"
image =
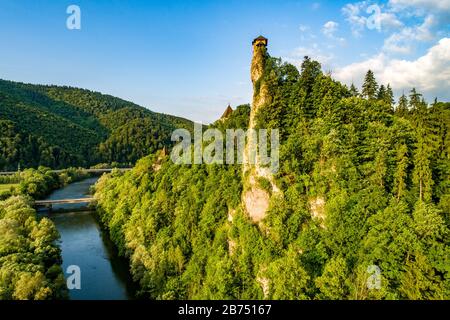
{"type": "Point", "coordinates": [364, 187]}
{"type": "Point", "coordinates": [63, 126]}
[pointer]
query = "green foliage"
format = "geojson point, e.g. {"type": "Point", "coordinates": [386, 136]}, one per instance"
{"type": "Point", "coordinates": [288, 279]}
{"type": "Point", "coordinates": [402, 108]}
{"type": "Point", "coordinates": [172, 224]}
{"type": "Point", "coordinates": [60, 127]}
{"type": "Point", "coordinates": [370, 87]}
{"type": "Point", "coordinates": [29, 258]}
{"type": "Point", "coordinates": [39, 183]}
{"type": "Point", "coordinates": [353, 91]}
{"type": "Point", "coordinates": [333, 281]}
{"type": "Point", "coordinates": [362, 186]}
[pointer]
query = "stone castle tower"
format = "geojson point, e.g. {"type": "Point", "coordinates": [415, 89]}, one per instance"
{"type": "Point", "coordinates": [259, 53]}
{"type": "Point", "coordinates": [260, 92]}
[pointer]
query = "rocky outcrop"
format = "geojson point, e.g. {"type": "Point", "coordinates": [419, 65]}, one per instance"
{"type": "Point", "coordinates": [256, 202]}
{"type": "Point", "coordinates": [255, 198]}
{"type": "Point", "coordinates": [317, 210]}
{"type": "Point", "coordinates": [156, 166]}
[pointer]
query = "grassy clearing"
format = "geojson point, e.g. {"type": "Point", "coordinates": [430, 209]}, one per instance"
{"type": "Point", "coordinates": [6, 187]}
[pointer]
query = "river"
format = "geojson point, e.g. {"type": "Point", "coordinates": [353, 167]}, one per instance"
{"type": "Point", "coordinates": [104, 275]}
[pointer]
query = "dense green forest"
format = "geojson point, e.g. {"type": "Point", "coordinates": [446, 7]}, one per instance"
{"type": "Point", "coordinates": [38, 183]}
{"type": "Point", "coordinates": [30, 258]}
{"type": "Point", "coordinates": [365, 182]}
{"type": "Point", "coordinates": [59, 127]}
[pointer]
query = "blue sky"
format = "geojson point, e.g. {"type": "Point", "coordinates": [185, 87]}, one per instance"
{"type": "Point", "coordinates": [192, 58]}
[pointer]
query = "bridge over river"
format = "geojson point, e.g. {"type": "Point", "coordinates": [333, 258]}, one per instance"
{"type": "Point", "coordinates": [49, 203]}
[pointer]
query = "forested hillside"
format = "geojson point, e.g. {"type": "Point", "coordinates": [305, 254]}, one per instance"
{"type": "Point", "coordinates": [365, 183]}
{"type": "Point", "coordinates": [61, 127]}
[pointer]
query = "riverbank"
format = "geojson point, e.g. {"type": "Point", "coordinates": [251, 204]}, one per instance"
{"type": "Point", "coordinates": [84, 243]}
{"type": "Point", "coordinates": [38, 183]}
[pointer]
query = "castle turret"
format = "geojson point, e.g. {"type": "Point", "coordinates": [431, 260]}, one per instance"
{"type": "Point", "coordinates": [258, 61]}
{"type": "Point", "coordinates": [260, 41]}
{"type": "Point", "coordinates": [228, 111]}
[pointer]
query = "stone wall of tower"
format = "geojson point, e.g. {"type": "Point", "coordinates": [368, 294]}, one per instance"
{"type": "Point", "coordinates": [258, 61]}
{"type": "Point", "coordinates": [260, 89]}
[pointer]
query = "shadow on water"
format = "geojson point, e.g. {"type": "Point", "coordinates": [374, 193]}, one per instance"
{"type": "Point", "coordinates": [84, 243]}
{"type": "Point", "coordinates": [120, 265]}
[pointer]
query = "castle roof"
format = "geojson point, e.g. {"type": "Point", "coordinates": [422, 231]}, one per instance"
{"type": "Point", "coordinates": [260, 38]}
{"type": "Point", "coordinates": [227, 113]}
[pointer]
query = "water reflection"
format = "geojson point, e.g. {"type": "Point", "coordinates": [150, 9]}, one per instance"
{"type": "Point", "coordinates": [104, 275]}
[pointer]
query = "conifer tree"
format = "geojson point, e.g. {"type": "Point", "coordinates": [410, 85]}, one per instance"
{"type": "Point", "coordinates": [422, 176]}
{"type": "Point", "coordinates": [419, 282]}
{"type": "Point", "coordinates": [380, 168]}
{"type": "Point", "coordinates": [402, 108]}
{"type": "Point", "coordinates": [381, 93]}
{"type": "Point", "coordinates": [370, 86]}
{"type": "Point", "coordinates": [389, 96]}
{"type": "Point", "coordinates": [417, 104]}
{"type": "Point", "coordinates": [310, 71]}
{"type": "Point", "coordinates": [354, 91]}
{"type": "Point", "coordinates": [400, 172]}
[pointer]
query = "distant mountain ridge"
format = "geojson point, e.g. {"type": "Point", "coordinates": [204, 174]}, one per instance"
{"type": "Point", "coordinates": [61, 126]}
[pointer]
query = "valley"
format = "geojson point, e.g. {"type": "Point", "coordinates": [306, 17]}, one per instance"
{"type": "Point", "coordinates": [362, 185]}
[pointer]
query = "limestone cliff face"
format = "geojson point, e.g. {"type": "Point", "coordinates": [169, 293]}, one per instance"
{"type": "Point", "coordinates": [255, 198]}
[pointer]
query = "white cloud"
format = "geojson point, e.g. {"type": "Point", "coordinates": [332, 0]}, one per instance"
{"type": "Point", "coordinates": [313, 51]}
{"type": "Point", "coordinates": [359, 14]}
{"type": "Point", "coordinates": [430, 73]}
{"type": "Point", "coordinates": [396, 43]}
{"type": "Point", "coordinates": [352, 13]}
{"type": "Point", "coordinates": [421, 5]}
{"type": "Point", "coordinates": [305, 33]}
{"type": "Point", "coordinates": [402, 42]}
{"type": "Point", "coordinates": [330, 28]}
{"type": "Point", "coordinates": [403, 37]}
{"type": "Point", "coordinates": [423, 31]}
{"type": "Point", "coordinates": [303, 28]}
{"type": "Point", "coordinates": [389, 20]}
{"type": "Point", "coordinates": [439, 9]}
